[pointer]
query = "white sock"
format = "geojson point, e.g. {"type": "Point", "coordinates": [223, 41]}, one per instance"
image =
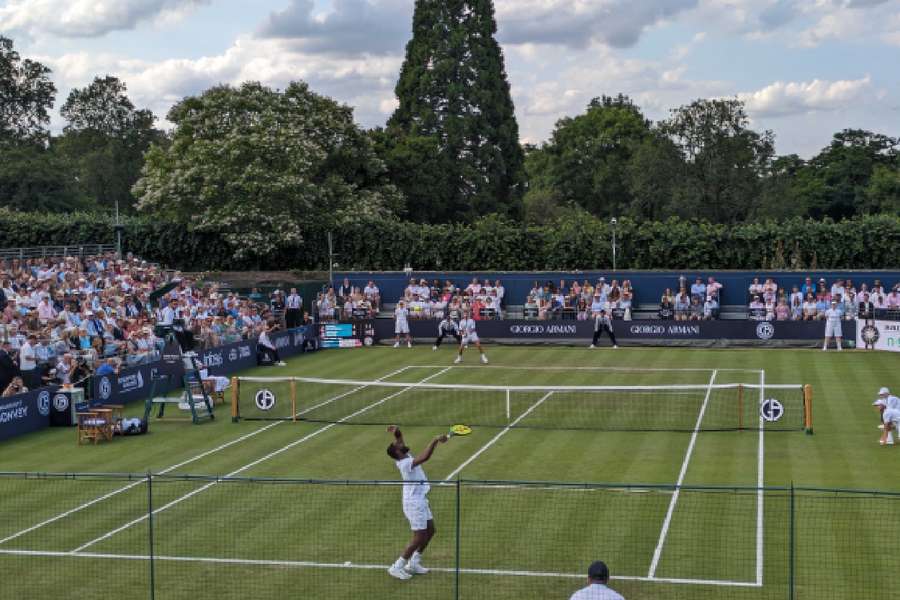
{"type": "Point", "coordinates": [839, 346]}
{"type": "Point", "coordinates": [401, 562]}
{"type": "Point", "coordinates": [890, 437]}
{"type": "Point", "coordinates": [416, 558]}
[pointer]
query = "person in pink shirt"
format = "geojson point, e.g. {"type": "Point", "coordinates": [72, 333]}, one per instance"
{"type": "Point", "coordinates": [893, 299]}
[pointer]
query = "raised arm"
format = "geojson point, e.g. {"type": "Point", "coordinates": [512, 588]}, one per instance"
{"type": "Point", "coordinates": [429, 450]}
{"type": "Point", "coordinates": [398, 435]}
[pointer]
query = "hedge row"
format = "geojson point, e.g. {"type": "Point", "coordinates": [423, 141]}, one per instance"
{"type": "Point", "coordinates": [871, 242]}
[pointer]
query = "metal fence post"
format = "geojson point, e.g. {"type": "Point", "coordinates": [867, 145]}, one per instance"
{"type": "Point", "coordinates": [150, 534]}
{"type": "Point", "coordinates": [458, 529]}
{"type": "Point", "coordinates": [792, 549]}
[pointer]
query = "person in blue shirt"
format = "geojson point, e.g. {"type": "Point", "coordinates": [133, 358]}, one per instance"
{"type": "Point", "coordinates": [108, 367]}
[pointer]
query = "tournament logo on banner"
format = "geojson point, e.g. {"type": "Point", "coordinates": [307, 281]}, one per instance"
{"type": "Point", "coordinates": [43, 403]}
{"type": "Point", "coordinates": [765, 331]}
{"type": "Point", "coordinates": [879, 335]}
{"type": "Point", "coordinates": [265, 400]}
{"type": "Point", "coordinates": [105, 388]}
{"type": "Point", "coordinates": [61, 402]}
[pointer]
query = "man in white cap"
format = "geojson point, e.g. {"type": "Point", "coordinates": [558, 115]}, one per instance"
{"type": "Point", "coordinates": [889, 407]}
{"type": "Point", "coordinates": [833, 326]}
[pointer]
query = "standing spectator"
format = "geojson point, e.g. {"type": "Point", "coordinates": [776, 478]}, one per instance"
{"type": "Point", "coordinates": [598, 578]}
{"type": "Point", "coordinates": [28, 362]}
{"type": "Point", "coordinates": [808, 287]}
{"type": "Point", "coordinates": [8, 367]}
{"type": "Point", "coordinates": [293, 309]}
{"type": "Point", "coordinates": [713, 288]}
{"type": "Point", "coordinates": [501, 292]}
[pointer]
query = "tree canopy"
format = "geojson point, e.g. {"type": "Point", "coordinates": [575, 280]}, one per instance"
{"type": "Point", "coordinates": [257, 163]}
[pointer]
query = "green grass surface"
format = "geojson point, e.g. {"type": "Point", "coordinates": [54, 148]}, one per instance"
{"type": "Point", "coordinates": [292, 539]}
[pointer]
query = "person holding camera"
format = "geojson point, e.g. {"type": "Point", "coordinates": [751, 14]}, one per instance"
{"type": "Point", "coordinates": [16, 386]}
{"type": "Point", "coordinates": [9, 370]}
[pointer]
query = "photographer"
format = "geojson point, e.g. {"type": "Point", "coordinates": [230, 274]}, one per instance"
{"type": "Point", "coordinates": [16, 386]}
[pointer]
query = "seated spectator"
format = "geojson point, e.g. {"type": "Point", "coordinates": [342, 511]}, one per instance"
{"type": "Point", "coordinates": [698, 289]}
{"type": "Point", "coordinates": [822, 305]}
{"type": "Point", "coordinates": [372, 294]}
{"type": "Point", "coordinates": [810, 307]}
{"type": "Point", "coordinates": [756, 288]}
{"type": "Point", "coordinates": [107, 367]}
{"type": "Point", "coordinates": [626, 303]}
{"type": "Point", "coordinates": [777, 311]}
{"type": "Point", "coordinates": [770, 291]}
{"type": "Point", "coordinates": [710, 308]}
{"type": "Point", "coordinates": [757, 309]}
{"type": "Point", "coordinates": [796, 308]}
{"type": "Point", "coordinates": [532, 304]}
{"type": "Point", "coordinates": [893, 299]}
{"type": "Point", "coordinates": [666, 305]}
{"type": "Point", "coordinates": [696, 309]}
{"type": "Point", "coordinates": [837, 289]}
{"type": "Point", "coordinates": [16, 386]}
{"type": "Point", "coordinates": [682, 306]}
{"type": "Point", "coordinates": [474, 288]}
{"type": "Point", "coordinates": [583, 310]}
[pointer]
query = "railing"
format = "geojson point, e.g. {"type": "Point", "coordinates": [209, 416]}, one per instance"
{"type": "Point", "coordinates": [166, 536]}
{"type": "Point", "coordinates": [76, 250]}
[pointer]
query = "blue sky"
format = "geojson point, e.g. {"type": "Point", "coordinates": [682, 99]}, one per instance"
{"type": "Point", "coordinates": [805, 68]}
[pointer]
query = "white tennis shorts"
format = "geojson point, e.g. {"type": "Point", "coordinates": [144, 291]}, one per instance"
{"type": "Point", "coordinates": [418, 513]}
{"type": "Point", "coordinates": [401, 327]}
{"type": "Point", "coordinates": [891, 415]}
{"type": "Point", "coordinates": [833, 329]}
{"type": "Point", "coordinates": [471, 338]}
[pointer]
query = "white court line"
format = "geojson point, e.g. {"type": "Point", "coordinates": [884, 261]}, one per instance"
{"type": "Point", "coordinates": [250, 465]}
{"type": "Point", "coordinates": [759, 483]}
{"type": "Point", "coordinates": [494, 439]}
{"type": "Point", "coordinates": [664, 532]}
{"type": "Point", "coordinates": [493, 366]}
{"type": "Point", "coordinates": [364, 566]}
{"type": "Point", "coordinates": [181, 464]}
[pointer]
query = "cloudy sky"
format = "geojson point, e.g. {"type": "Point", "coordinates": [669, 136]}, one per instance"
{"type": "Point", "coordinates": [806, 68]}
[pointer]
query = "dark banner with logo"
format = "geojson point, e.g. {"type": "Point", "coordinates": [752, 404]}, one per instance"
{"type": "Point", "coordinates": [656, 330]}
{"type": "Point", "coordinates": [134, 384]}
{"type": "Point", "coordinates": [24, 413]}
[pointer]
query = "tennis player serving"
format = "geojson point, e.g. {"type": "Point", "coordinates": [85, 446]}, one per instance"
{"type": "Point", "coordinates": [415, 503]}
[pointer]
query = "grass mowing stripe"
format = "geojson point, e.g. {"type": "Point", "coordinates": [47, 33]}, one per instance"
{"type": "Point", "coordinates": [760, 480]}
{"type": "Point", "coordinates": [363, 566]}
{"type": "Point", "coordinates": [494, 439]}
{"type": "Point", "coordinates": [250, 465]}
{"type": "Point", "coordinates": [171, 468]}
{"type": "Point", "coordinates": [664, 532]}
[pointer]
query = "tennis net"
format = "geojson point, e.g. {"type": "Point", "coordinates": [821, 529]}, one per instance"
{"type": "Point", "coordinates": [716, 407]}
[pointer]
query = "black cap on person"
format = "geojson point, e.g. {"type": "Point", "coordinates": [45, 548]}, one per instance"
{"type": "Point", "coordinates": [598, 571]}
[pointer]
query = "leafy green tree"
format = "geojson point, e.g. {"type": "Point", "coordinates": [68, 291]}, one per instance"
{"type": "Point", "coordinates": [35, 179]}
{"type": "Point", "coordinates": [725, 160]}
{"type": "Point", "coordinates": [653, 173]}
{"type": "Point", "coordinates": [883, 192]}
{"type": "Point", "coordinates": [780, 196]}
{"type": "Point", "coordinates": [843, 170]}
{"type": "Point", "coordinates": [589, 155]}
{"type": "Point", "coordinates": [455, 150]}
{"type": "Point", "coordinates": [26, 96]}
{"type": "Point", "coordinates": [105, 139]}
{"type": "Point", "coordinates": [259, 165]}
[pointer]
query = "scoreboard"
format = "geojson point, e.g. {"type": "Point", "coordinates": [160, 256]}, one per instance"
{"type": "Point", "coordinates": [354, 334]}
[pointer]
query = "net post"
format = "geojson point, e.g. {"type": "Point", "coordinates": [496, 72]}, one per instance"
{"type": "Point", "coordinates": [235, 394]}
{"type": "Point", "coordinates": [807, 409]}
{"type": "Point", "coordinates": [508, 407]}
{"type": "Point", "coordinates": [293, 399]}
{"type": "Point", "coordinates": [741, 406]}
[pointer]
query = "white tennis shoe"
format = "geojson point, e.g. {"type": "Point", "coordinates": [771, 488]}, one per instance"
{"type": "Point", "coordinates": [415, 569]}
{"type": "Point", "coordinates": [396, 344]}
{"type": "Point", "coordinates": [458, 360]}
{"type": "Point", "coordinates": [399, 572]}
{"type": "Point", "coordinates": [484, 359]}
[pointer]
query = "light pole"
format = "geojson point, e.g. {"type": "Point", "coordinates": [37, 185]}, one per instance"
{"type": "Point", "coordinates": [118, 228]}
{"type": "Point", "coordinates": [614, 222]}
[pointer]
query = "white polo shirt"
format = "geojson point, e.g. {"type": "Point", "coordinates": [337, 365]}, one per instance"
{"type": "Point", "coordinates": [27, 357]}
{"type": "Point", "coordinates": [596, 591]}
{"type": "Point", "coordinates": [413, 492]}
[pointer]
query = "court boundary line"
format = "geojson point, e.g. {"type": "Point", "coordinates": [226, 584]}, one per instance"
{"type": "Point", "coordinates": [493, 366]}
{"type": "Point", "coordinates": [494, 439]}
{"type": "Point", "coordinates": [252, 464]}
{"type": "Point", "coordinates": [664, 532]}
{"type": "Point", "coordinates": [365, 566]}
{"type": "Point", "coordinates": [171, 468]}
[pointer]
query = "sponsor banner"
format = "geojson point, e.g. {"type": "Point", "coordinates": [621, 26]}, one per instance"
{"type": "Point", "coordinates": [229, 358]}
{"type": "Point", "coordinates": [24, 413]}
{"type": "Point", "coordinates": [880, 335]}
{"type": "Point", "coordinates": [655, 330]}
{"type": "Point", "coordinates": [134, 383]}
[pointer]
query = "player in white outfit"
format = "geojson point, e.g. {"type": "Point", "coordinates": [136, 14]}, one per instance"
{"type": "Point", "coordinates": [833, 326]}
{"type": "Point", "coordinates": [469, 336]}
{"type": "Point", "coordinates": [415, 503]}
{"type": "Point", "coordinates": [889, 406]}
{"type": "Point", "coordinates": [598, 577]}
{"type": "Point", "coordinates": [401, 324]}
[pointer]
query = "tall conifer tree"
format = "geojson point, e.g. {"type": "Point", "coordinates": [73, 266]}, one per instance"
{"type": "Point", "coordinates": [454, 141]}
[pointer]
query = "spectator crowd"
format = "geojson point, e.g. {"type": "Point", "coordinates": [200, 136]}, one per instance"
{"type": "Point", "coordinates": [63, 318]}
{"type": "Point", "coordinates": [767, 301]}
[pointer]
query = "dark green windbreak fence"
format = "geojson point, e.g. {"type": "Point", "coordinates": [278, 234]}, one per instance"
{"type": "Point", "coordinates": [167, 537]}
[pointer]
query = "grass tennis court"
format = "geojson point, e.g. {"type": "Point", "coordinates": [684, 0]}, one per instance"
{"type": "Point", "coordinates": [311, 508]}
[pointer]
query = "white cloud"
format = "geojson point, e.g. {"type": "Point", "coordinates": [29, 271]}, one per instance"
{"type": "Point", "coordinates": [786, 98]}
{"type": "Point", "coordinates": [86, 18]}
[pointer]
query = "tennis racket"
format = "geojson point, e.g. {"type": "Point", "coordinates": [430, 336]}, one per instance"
{"type": "Point", "coordinates": [459, 430]}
